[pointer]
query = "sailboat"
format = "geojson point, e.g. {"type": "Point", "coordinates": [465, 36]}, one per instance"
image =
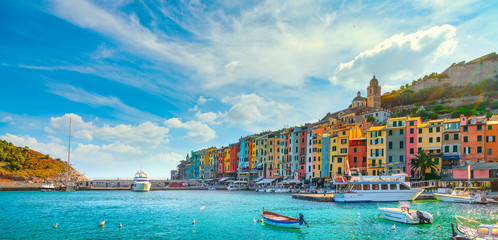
{"type": "Point", "coordinates": [68, 185]}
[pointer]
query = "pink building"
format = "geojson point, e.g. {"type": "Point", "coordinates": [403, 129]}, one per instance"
{"type": "Point", "coordinates": [411, 142]}
{"type": "Point", "coordinates": [477, 171]}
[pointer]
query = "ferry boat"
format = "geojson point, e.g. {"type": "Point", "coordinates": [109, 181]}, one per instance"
{"type": "Point", "coordinates": [279, 220]}
{"type": "Point", "coordinates": [141, 182]}
{"type": "Point", "coordinates": [404, 214]}
{"type": "Point", "coordinates": [47, 187]}
{"type": "Point", "coordinates": [388, 188]}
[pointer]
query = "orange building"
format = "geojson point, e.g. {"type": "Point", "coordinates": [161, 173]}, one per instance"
{"type": "Point", "coordinates": [491, 143]}
{"type": "Point", "coordinates": [472, 143]}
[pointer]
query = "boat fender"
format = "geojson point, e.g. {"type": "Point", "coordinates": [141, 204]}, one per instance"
{"type": "Point", "coordinates": [483, 199]}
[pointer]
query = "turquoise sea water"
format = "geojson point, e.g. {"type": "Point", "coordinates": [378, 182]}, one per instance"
{"type": "Point", "coordinates": [227, 215]}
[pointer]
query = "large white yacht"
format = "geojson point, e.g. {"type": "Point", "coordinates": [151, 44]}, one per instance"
{"type": "Point", "coordinates": [388, 188]}
{"type": "Point", "coordinates": [140, 182]}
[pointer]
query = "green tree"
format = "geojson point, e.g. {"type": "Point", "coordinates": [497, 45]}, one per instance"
{"type": "Point", "coordinates": [423, 162]}
{"type": "Point", "coordinates": [370, 119]}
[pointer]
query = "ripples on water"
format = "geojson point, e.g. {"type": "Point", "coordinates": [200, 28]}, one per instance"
{"type": "Point", "coordinates": [227, 215]}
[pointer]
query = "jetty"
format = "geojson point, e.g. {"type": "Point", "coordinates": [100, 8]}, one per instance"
{"type": "Point", "coordinates": [315, 197]}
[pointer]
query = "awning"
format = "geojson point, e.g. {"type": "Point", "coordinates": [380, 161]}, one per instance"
{"type": "Point", "coordinates": [258, 179]}
{"type": "Point", "coordinates": [292, 181]}
{"type": "Point", "coordinates": [451, 157]}
{"type": "Point", "coordinates": [266, 181]}
{"type": "Point", "coordinates": [223, 179]}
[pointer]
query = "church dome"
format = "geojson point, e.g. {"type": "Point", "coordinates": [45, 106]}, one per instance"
{"type": "Point", "coordinates": [358, 97]}
{"type": "Point", "coordinates": [374, 81]}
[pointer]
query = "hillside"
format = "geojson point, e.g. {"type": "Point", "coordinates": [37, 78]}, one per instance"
{"type": "Point", "coordinates": [22, 163]}
{"type": "Point", "coordinates": [478, 77]}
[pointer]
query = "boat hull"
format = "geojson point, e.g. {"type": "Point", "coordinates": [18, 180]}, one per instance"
{"type": "Point", "coordinates": [396, 215]}
{"type": "Point", "coordinates": [282, 224]}
{"type": "Point", "coordinates": [377, 196]}
{"type": "Point", "coordinates": [453, 198]}
{"type": "Point", "coordinates": [141, 187]}
{"type": "Point", "coordinates": [47, 189]}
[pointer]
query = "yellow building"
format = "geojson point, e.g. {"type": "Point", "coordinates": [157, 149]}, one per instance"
{"type": "Point", "coordinates": [340, 160]}
{"type": "Point", "coordinates": [210, 163]}
{"type": "Point", "coordinates": [334, 139]}
{"type": "Point", "coordinates": [376, 150]}
{"type": "Point", "coordinates": [261, 154]}
{"type": "Point", "coordinates": [318, 171]}
{"type": "Point", "coordinates": [227, 160]}
{"type": "Point", "coordinates": [204, 161]}
{"type": "Point", "coordinates": [430, 140]}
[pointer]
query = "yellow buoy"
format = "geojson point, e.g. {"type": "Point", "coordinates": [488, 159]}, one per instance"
{"type": "Point", "coordinates": [439, 225]}
{"type": "Point", "coordinates": [56, 225]}
{"type": "Point", "coordinates": [102, 223]}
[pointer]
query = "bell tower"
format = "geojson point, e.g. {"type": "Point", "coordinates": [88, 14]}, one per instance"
{"type": "Point", "coordinates": [373, 94]}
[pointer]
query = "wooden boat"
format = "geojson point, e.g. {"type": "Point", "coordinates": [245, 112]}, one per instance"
{"type": "Point", "coordinates": [404, 214]}
{"type": "Point", "coordinates": [279, 220]}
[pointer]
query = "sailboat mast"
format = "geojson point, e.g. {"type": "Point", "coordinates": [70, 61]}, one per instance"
{"type": "Point", "coordinates": [68, 153]}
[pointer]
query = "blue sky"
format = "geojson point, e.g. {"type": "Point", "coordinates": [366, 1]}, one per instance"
{"type": "Point", "coordinates": [145, 82]}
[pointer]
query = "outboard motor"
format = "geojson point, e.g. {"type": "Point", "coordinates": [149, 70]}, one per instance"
{"type": "Point", "coordinates": [301, 220]}
{"type": "Point", "coordinates": [422, 218]}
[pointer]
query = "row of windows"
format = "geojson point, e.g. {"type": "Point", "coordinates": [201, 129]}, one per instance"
{"type": "Point", "coordinates": [467, 150]}
{"type": "Point", "coordinates": [479, 138]}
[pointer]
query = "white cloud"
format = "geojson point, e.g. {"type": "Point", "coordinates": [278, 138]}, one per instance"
{"type": "Point", "coordinates": [269, 44]}
{"type": "Point", "coordinates": [107, 160]}
{"type": "Point", "coordinates": [53, 149]}
{"type": "Point", "coordinates": [251, 109]}
{"type": "Point", "coordinates": [208, 117]}
{"type": "Point", "coordinates": [399, 59]}
{"type": "Point", "coordinates": [146, 133]}
{"type": "Point", "coordinates": [202, 100]}
{"type": "Point", "coordinates": [198, 132]}
{"type": "Point", "coordinates": [81, 96]}
{"type": "Point", "coordinates": [54, 139]}
{"type": "Point", "coordinates": [8, 119]}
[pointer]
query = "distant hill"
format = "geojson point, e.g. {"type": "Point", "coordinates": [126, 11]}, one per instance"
{"type": "Point", "coordinates": [461, 74]}
{"type": "Point", "coordinates": [478, 77]}
{"type": "Point", "coordinates": [22, 163]}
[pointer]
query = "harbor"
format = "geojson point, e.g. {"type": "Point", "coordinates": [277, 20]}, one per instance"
{"type": "Point", "coordinates": [217, 214]}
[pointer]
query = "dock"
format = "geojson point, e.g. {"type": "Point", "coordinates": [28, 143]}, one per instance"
{"type": "Point", "coordinates": [315, 197]}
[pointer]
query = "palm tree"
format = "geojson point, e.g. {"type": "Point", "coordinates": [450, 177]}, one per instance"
{"type": "Point", "coordinates": [423, 162]}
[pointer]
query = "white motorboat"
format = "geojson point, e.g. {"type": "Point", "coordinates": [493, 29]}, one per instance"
{"type": "Point", "coordinates": [47, 187]}
{"type": "Point", "coordinates": [269, 190]}
{"type": "Point", "coordinates": [237, 185]}
{"type": "Point", "coordinates": [464, 195]}
{"type": "Point", "coordinates": [404, 214]}
{"type": "Point", "coordinates": [282, 190]}
{"type": "Point", "coordinates": [387, 188]}
{"type": "Point", "coordinates": [140, 182]}
{"type": "Point", "coordinates": [483, 231]}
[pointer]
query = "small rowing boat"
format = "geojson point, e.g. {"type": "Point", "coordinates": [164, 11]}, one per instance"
{"type": "Point", "coordinates": [279, 220]}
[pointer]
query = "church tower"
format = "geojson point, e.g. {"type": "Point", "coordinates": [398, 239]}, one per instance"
{"type": "Point", "coordinates": [373, 94]}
